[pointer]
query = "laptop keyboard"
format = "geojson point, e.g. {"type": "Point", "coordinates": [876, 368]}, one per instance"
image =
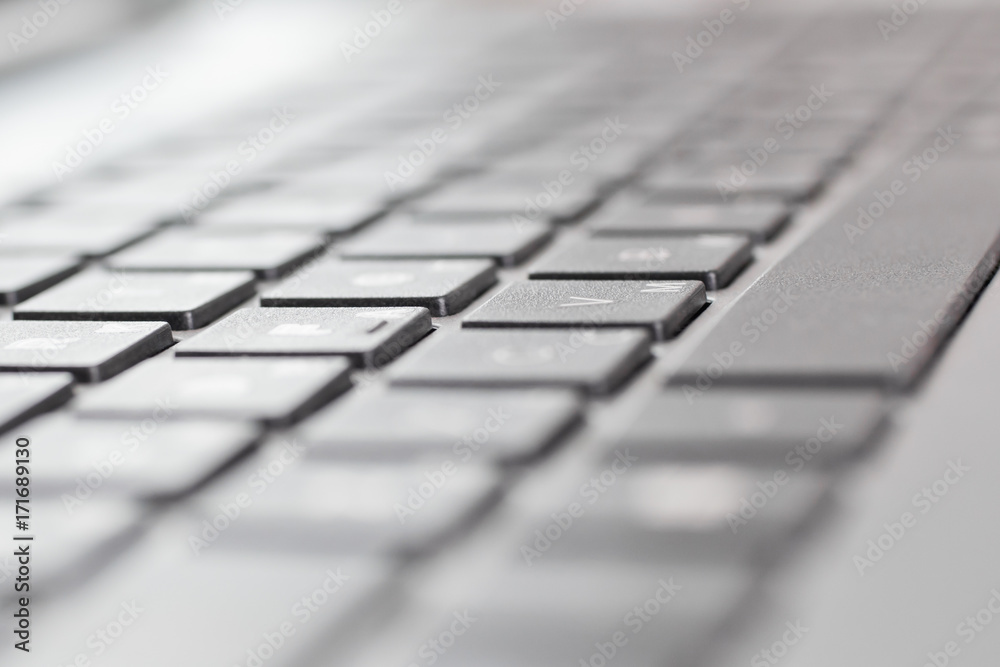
{"type": "Point", "coordinates": [422, 373]}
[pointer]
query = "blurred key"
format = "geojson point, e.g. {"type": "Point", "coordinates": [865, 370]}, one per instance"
{"type": "Point", "coordinates": [79, 239]}
{"type": "Point", "coordinates": [281, 210]}
{"type": "Point", "coordinates": [661, 307]}
{"type": "Point", "coordinates": [153, 458]}
{"type": "Point", "coordinates": [501, 240]}
{"type": "Point", "coordinates": [597, 362]}
{"type": "Point", "coordinates": [182, 300]}
{"type": "Point", "coordinates": [270, 391]}
{"type": "Point", "coordinates": [503, 194]}
{"type": "Point", "coordinates": [559, 612]}
{"type": "Point", "coordinates": [762, 427]}
{"type": "Point", "coordinates": [91, 351]}
{"type": "Point", "coordinates": [24, 277]}
{"type": "Point", "coordinates": [644, 512]}
{"type": "Point", "coordinates": [360, 509]}
{"type": "Point", "coordinates": [369, 336]}
{"type": "Point", "coordinates": [444, 287]}
{"type": "Point", "coordinates": [269, 255]}
{"type": "Point", "coordinates": [714, 260]}
{"type": "Point", "coordinates": [504, 426]}
{"type": "Point", "coordinates": [760, 221]}
{"type": "Point", "coordinates": [24, 395]}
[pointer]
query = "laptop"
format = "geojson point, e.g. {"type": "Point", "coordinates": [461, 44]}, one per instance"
{"type": "Point", "coordinates": [564, 333]}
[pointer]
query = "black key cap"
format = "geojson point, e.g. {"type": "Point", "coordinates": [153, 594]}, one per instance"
{"type": "Point", "coordinates": [369, 336]}
{"type": "Point", "coordinates": [714, 260]}
{"type": "Point", "coordinates": [501, 240]}
{"type": "Point", "coordinates": [183, 300]}
{"type": "Point", "coordinates": [91, 351]}
{"type": "Point", "coordinates": [787, 428]}
{"type": "Point", "coordinates": [154, 460]}
{"type": "Point", "coordinates": [593, 361]}
{"type": "Point", "coordinates": [760, 221]}
{"type": "Point", "coordinates": [24, 277]}
{"type": "Point", "coordinates": [24, 395]}
{"type": "Point", "coordinates": [444, 286]}
{"type": "Point", "coordinates": [269, 255]}
{"type": "Point", "coordinates": [74, 238]}
{"type": "Point", "coordinates": [504, 426]}
{"type": "Point", "coordinates": [280, 210]}
{"type": "Point", "coordinates": [865, 303]}
{"type": "Point", "coordinates": [266, 390]}
{"type": "Point", "coordinates": [662, 307]}
{"type": "Point", "coordinates": [360, 509]}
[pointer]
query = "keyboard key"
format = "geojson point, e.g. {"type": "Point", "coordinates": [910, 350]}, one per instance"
{"type": "Point", "coordinates": [269, 255]}
{"type": "Point", "coordinates": [152, 460]}
{"type": "Point", "coordinates": [91, 351]}
{"type": "Point", "coordinates": [720, 180]}
{"type": "Point", "coordinates": [182, 300]}
{"type": "Point", "coordinates": [285, 210]}
{"type": "Point", "coordinates": [698, 514]}
{"type": "Point", "coordinates": [24, 277]}
{"type": "Point", "coordinates": [360, 509]}
{"type": "Point", "coordinates": [501, 194]}
{"type": "Point", "coordinates": [81, 239]}
{"type": "Point", "coordinates": [444, 287]}
{"type": "Point", "coordinates": [714, 260]}
{"type": "Point", "coordinates": [503, 241]}
{"type": "Point", "coordinates": [763, 427]}
{"type": "Point", "coordinates": [571, 612]}
{"type": "Point", "coordinates": [597, 362]}
{"type": "Point", "coordinates": [270, 391]}
{"type": "Point", "coordinates": [369, 336]}
{"type": "Point", "coordinates": [864, 303]}
{"type": "Point", "coordinates": [761, 221]}
{"type": "Point", "coordinates": [24, 395]}
{"type": "Point", "coordinates": [662, 307]}
{"type": "Point", "coordinates": [503, 426]}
